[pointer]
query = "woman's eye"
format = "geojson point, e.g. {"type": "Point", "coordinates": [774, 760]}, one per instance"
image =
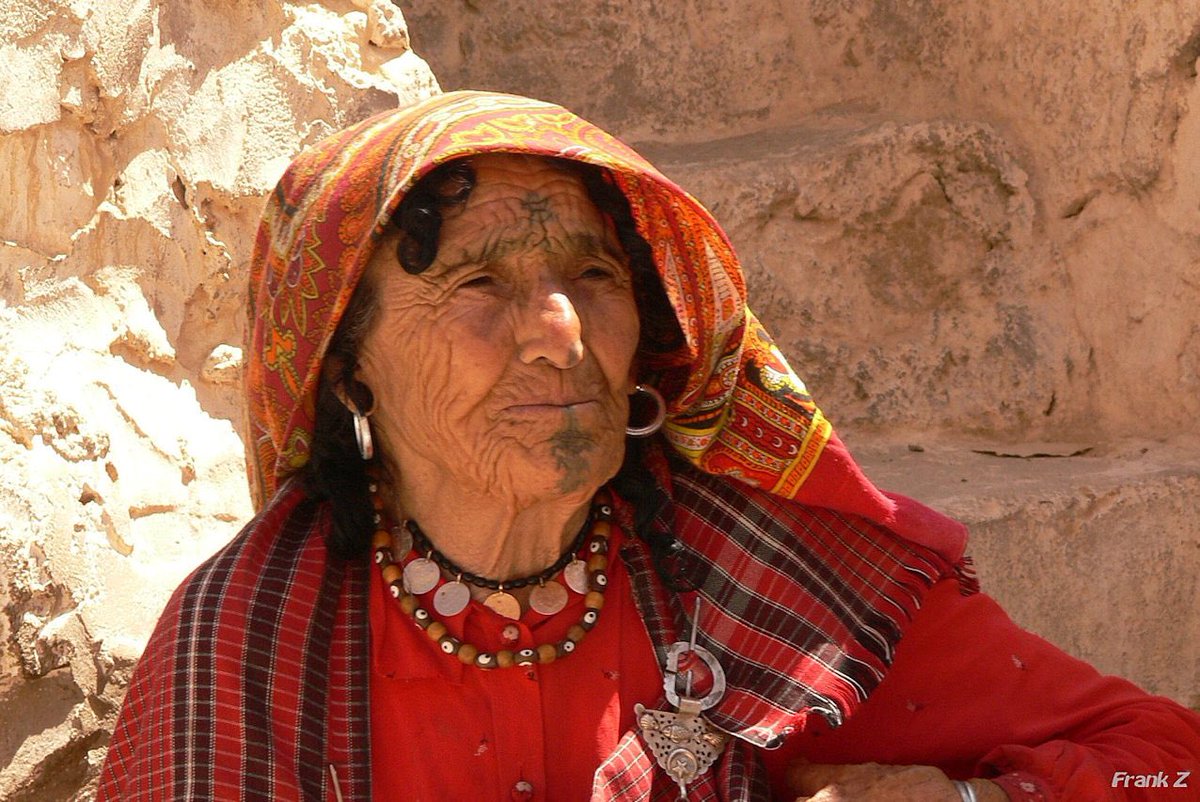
{"type": "Point", "coordinates": [596, 271]}
{"type": "Point", "coordinates": [478, 282]}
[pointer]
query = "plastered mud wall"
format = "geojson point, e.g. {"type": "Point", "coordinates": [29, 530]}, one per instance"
{"type": "Point", "coordinates": [137, 140]}
{"type": "Point", "coordinates": [966, 225]}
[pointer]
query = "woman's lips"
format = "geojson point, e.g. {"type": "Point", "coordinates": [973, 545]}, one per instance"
{"type": "Point", "coordinates": [550, 408]}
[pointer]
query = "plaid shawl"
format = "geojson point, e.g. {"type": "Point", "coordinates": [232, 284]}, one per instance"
{"type": "Point", "coordinates": [254, 684]}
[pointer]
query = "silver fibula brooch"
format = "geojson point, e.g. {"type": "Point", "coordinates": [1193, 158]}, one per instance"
{"type": "Point", "coordinates": [682, 741]}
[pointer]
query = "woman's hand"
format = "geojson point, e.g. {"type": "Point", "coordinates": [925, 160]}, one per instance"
{"type": "Point", "coordinates": [872, 782]}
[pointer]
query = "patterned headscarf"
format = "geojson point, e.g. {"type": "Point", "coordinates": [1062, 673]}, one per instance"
{"type": "Point", "coordinates": [736, 407]}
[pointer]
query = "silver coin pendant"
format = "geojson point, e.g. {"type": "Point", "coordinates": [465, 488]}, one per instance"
{"type": "Point", "coordinates": [451, 598]}
{"type": "Point", "coordinates": [402, 543]}
{"type": "Point", "coordinates": [548, 598]}
{"type": "Point", "coordinates": [421, 576]}
{"type": "Point", "coordinates": [576, 575]}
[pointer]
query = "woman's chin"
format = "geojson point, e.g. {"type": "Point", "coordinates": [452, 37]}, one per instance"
{"type": "Point", "coordinates": [551, 473]}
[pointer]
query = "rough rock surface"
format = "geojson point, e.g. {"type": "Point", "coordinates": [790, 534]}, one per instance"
{"type": "Point", "coordinates": [137, 139]}
{"type": "Point", "coordinates": [972, 227]}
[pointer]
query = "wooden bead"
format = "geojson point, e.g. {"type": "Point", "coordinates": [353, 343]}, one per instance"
{"type": "Point", "coordinates": [576, 633]}
{"type": "Point", "coordinates": [598, 582]}
{"type": "Point", "coordinates": [597, 562]}
{"type": "Point", "coordinates": [408, 603]}
{"type": "Point", "coordinates": [485, 660]}
{"type": "Point", "coordinates": [382, 539]}
{"type": "Point", "coordinates": [589, 619]}
{"type": "Point", "coordinates": [505, 659]}
{"type": "Point", "coordinates": [547, 653]}
{"type": "Point", "coordinates": [564, 648]}
{"type": "Point", "coordinates": [467, 653]}
{"type": "Point", "coordinates": [603, 529]}
{"type": "Point", "coordinates": [449, 644]}
{"type": "Point", "coordinates": [594, 600]}
{"type": "Point", "coordinates": [435, 630]}
{"type": "Point", "coordinates": [376, 503]}
{"type": "Point", "coordinates": [391, 573]}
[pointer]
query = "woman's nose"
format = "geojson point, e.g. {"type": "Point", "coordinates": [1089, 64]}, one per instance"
{"type": "Point", "coordinates": [550, 330]}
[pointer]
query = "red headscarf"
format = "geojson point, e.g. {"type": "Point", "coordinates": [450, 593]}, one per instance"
{"type": "Point", "coordinates": [739, 409]}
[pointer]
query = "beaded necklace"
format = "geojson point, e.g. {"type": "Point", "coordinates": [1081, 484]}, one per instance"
{"type": "Point", "coordinates": [394, 554]}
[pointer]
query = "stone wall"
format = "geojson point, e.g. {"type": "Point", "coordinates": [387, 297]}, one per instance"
{"type": "Point", "coordinates": [137, 140]}
{"type": "Point", "coordinates": [974, 217]}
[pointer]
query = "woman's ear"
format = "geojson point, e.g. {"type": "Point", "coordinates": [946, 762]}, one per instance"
{"type": "Point", "coordinates": [354, 395]}
{"type": "Point", "coordinates": [632, 380]}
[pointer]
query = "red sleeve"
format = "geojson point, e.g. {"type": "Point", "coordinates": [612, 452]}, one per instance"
{"type": "Point", "coordinates": [976, 695]}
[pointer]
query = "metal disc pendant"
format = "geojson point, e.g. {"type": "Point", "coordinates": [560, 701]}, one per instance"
{"type": "Point", "coordinates": [451, 598]}
{"type": "Point", "coordinates": [576, 574]}
{"type": "Point", "coordinates": [504, 604]}
{"type": "Point", "coordinates": [402, 543]}
{"type": "Point", "coordinates": [421, 576]}
{"type": "Point", "coordinates": [548, 598]}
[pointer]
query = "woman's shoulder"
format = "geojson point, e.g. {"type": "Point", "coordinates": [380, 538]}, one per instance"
{"type": "Point", "coordinates": [759, 519]}
{"type": "Point", "coordinates": [287, 530]}
{"type": "Point", "coordinates": [740, 503]}
{"type": "Point", "coordinates": [904, 525]}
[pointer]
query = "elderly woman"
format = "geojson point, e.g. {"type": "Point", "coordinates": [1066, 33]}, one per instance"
{"type": "Point", "coordinates": [545, 515]}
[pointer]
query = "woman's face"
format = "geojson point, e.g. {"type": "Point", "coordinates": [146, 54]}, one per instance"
{"type": "Point", "coordinates": [508, 363]}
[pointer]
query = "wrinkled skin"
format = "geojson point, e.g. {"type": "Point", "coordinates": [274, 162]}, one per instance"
{"type": "Point", "coordinates": [501, 374]}
{"type": "Point", "coordinates": [873, 782]}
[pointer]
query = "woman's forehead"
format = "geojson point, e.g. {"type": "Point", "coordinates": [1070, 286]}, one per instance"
{"type": "Point", "coordinates": [517, 195]}
{"type": "Point", "coordinates": [527, 182]}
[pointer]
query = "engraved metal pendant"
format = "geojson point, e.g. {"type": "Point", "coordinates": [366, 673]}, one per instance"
{"type": "Point", "coordinates": [682, 741]}
{"type": "Point", "coordinates": [684, 746]}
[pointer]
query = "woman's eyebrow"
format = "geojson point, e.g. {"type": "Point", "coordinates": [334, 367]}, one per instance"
{"type": "Point", "coordinates": [588, 243]}
{"type": "Point", "coordinates": [473, 255]}
{"type": "Point", "coordinates": [583, 243]}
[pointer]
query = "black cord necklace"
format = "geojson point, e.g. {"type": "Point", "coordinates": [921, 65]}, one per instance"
{"type": "Point", "coordinates": [423, 574]}
{"type": "Point", "coordinates": [424, 546]}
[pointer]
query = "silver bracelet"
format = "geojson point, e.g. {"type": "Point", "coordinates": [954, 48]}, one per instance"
{"type": "Point", "coordinates": [965, 790]}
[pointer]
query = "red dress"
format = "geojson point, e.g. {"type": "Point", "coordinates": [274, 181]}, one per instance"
{"type": "Point", "coordinates": [441, 730]}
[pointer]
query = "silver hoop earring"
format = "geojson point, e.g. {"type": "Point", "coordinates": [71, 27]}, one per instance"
{"type": "Point", "coordinates": [660, 413]}
{"type": "Point", "coordinates": [362, 433]}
